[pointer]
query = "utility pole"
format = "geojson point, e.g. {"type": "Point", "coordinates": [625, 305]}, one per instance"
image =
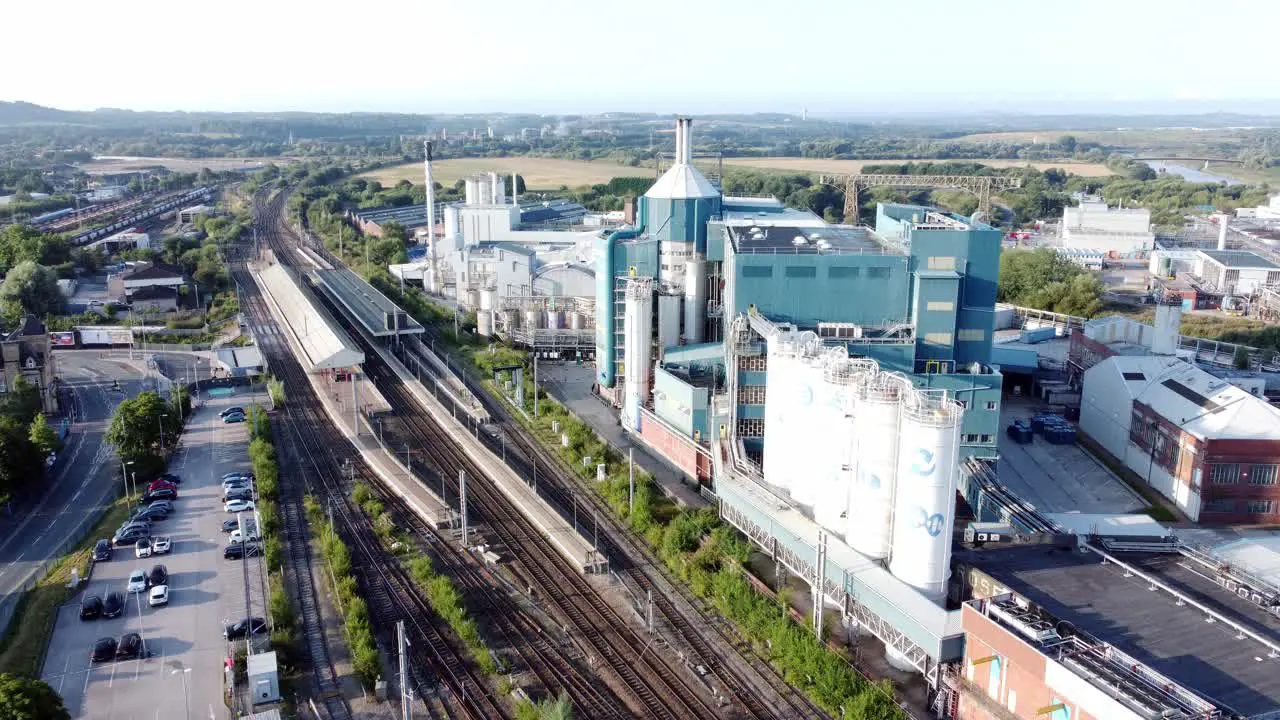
{"type": "Point", "coordinates": [649, 611]}
{"type": "Point", "coordinates": [355, 403]}
{"type": "Point", "coordinates": [535, 385]}
{"type": "Point", "coordinates": [406, 696]}
{"type": "Point", "coordinates": [462, 503]}
{"type": "Point", "coordinates": [631, 481]}
{"type": "Point", "coordinates": [819, 583]}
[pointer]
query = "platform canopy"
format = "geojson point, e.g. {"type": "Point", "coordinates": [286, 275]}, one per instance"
{"type": "Point", "coordinates": [323, 341]}
{"type": "Point", "coordinates": [374, 311]}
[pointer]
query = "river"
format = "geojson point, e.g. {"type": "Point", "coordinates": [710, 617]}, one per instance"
{"type": "Point", "coordinates": [1190, 174]}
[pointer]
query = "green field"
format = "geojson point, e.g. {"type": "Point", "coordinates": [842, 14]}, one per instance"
{"type": "Point", "coordinates": [539, 173]}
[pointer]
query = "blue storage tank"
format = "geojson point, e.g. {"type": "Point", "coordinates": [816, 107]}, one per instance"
{"type": "Point", "coordinates": [1038, 335]}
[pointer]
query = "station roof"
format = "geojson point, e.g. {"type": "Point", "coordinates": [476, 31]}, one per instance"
{"type": "Point", "coordinates": [323, 342]}
{"type": "Point", "coordinates": [1172, 639]}
{"type": "Point", "coordinates": [376, 312]}
{"type": "Point", "coordinates": [1240, 259]}
{"type": "Point", "coordinates": [807, 240]}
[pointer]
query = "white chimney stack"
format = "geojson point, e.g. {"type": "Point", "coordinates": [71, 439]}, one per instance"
{"type": "Point", "coordinates": [1222, 232]}
{"type": "Point", "coordinates": [429, 280]}
{"type": "Point", "coordinates": [679, 139]}
{"type": "Point", "coordinates": [515, 194]}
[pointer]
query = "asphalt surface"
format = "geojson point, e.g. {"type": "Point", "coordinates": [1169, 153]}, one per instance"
{"type": "Point", "coordinates": [184, 639]}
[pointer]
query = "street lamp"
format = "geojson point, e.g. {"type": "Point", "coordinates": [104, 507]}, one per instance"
{"type": "Point", "coordinates": [179, 669]}
{"type": "Point", "coordinates": [124, 474]}
{"type": "Point", "coordinates": [160, 423]}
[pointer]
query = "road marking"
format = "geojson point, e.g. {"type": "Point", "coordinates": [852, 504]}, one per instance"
{"type": "Point", "coordinates": [112, 679]}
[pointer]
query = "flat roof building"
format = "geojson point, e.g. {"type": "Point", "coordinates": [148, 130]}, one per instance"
{"type": "Point", "coordinates": [1236, 272]}
{"type": "Point", "coordinates": [1094, 226]}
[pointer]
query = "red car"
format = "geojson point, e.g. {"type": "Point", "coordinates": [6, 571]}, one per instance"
{"type": "Point", "coordinates": [158, 484]}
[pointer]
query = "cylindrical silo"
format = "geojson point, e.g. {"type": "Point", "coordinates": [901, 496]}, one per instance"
{"type": "Point", "coordinates": [876, 425]}
{"type": "Point", "coordinates": [471, 299]}
{"type": "Point", "coordinates": [555, 319]}
{"type": "Point", "coordinates": [638, 344]}
{"type": "Point", "coordinates": [488, 299]}
{"type": "Point", "coordinates": [473, 191]}
{"type": "Point", "coordinates": [924, 508]}
{"type": "Point", "coordinates": [779, 391]}
{"type": "Point", "coordinates": [484, 323]}
{"type": "Point", "coordinates": [695, 300]}
{"type": "Point", "coordinates": [668, 321]}
{"type": "Point", "coordinates": [576, 321]}
{"type": "Point", "coordinates": [510, 320]}
{"type": "Point", "coordinates": [809, 477]}
{"type": "Point", "coordinates": [532, 319]}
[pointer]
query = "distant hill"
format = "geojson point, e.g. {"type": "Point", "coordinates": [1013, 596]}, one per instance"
{"type": "Point", "coordinates": [25, 113]}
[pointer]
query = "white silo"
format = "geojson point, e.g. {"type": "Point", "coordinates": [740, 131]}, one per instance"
{"type": "Point", "coordinates": [695, 300]}
{"type": "Point", "coordinates": [472, 191]}
{"type": "Point", "coordinates": [780, 433]}
{"type": "Point", "coordinates": [876, 420]}
{"type": "Point", "coordinates": [555, 319]}
{"type": "Point", "coordinates": [924, 508]}
{"type": "Point", "coordinates": [484, 323]}
{"type": "Point", "coordinates": [833, 461]}
{"type": "Point", "coordinates": [638, 344]}
{"type": "Point", "coordinates": [668, 320]}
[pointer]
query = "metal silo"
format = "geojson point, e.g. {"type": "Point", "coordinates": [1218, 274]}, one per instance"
{"type": "Point", "coordinates": [532, 319]}
{"type": "Point", "coordinates": [876, 424]}
{"type": "Point", "coordinates": [925, 502]}
{"type": "Point", "coordinates": [668, 321]}
{"type": "Point", "coordinates": [638, 344]}
{"type": "Point", "coordinates": [484, 323]}
{"type": "Point", "coordinates": [695, 300]}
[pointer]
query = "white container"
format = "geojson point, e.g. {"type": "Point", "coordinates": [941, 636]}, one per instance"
{"type": "Point", "coordinates": [484, 323]}
{"type": "Point", "coordinates": [555, 320]}
{"type": "Point", "coordinates": [532, 319]}
{"type": "Point", "coordinates": [876, 427]}
{"type": "Point", "coordinates": [668, 321]}
{"type": "Point", "coordinates": [637, 349]}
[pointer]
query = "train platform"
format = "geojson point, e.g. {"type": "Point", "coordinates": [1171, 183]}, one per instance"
{"type": "Point", "coordinates": [573, 547]}
{"type": "Point", "coordinates": [320, 341]}
{"type": "Point", "coordinates": [375, 312]}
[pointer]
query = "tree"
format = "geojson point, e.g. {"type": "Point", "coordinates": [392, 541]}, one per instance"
{"type": "Point", "coordinates": [1068, 144]}
{"type": "Point", "coordinates": [135, 427]}
{"type": "Point", "coordinates": [22, 402]}
{"type": "Point", "coordinates": [30, 288]}
{"type": "Point", "coordinates": [19, 462]}
{"type": "Point", "coordinates": [1241, 358]}
{"type": "Point", "coordinates": [23, 698]}
{"type": "Point", "coordinates": [43, 437]}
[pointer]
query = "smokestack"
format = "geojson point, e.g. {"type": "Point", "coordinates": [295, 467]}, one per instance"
{"type": "Point", "coordinates": [515, 194]}
{"type": "Point", "coordinates": [1222, 232]}
{"type": "Point", "coordinates": [429, 283]}
{"type": "Point", "coordinates": [679, 136]}
{"type": "Point", "coordinates": [688, 141]}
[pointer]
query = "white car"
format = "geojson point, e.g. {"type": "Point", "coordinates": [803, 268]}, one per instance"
{"type": "Point", "coordinates": [236, 506]}
{"type": "Point", "coordinates": [137, 581]}
{"type": "Point", "coordinates": [159, 596]}
{"type": "Point", "coordinates": [142, 548]}
{"type": "Point", "coordinates": [160, 545]}
{"type": "Point", "coordinates": [237, 537]}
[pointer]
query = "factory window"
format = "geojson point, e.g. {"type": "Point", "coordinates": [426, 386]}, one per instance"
{"type": "Point", "coordinates": [988, 439]}
{"type": "Point", "coordinates": [943, 339]}
{"type": "Point", "coordinates": [801, 271]}
{"type": "Point", "coordinates": [942, 263]}
{"type": "Point", "coordinates": [877, 273]}
{"type": "Point", "coordinates": [1224, 474]}
{"type": "Point", "coordinates": [1220, 506]}
{"type": "Point", "coordinates": [750, 427]}
{"type": "Point", "coordinates": [971, 438]}
{"type": "Point", "coordinates": [941, 305]}
{"type": "Point", "coordinates": [757, 271]}
{"type": "Point", "coordinates": [971, 335]}
{"type": "Point", "coordinates": [1273, 279]}
{"type": "Point", "coordinates": [1262, 474]}
{"type": "Point", "coordinates": [1260, 507]}
{"type": "Point", "coordinates": [842, 271]}
{"type": "Point", "coordinates": [992, 404]}
{"type": "Point", "coordinates": [963, 403]}
{"type": "Point", "coordinates": [752, 363]}
{"type": "Point", "coordinates": [751, 394]}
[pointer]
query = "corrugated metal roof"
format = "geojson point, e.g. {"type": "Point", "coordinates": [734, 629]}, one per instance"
{"type": "Point", "coordinates": [682, 182]}
{"type": "Point", "coordinates": [1239, 259]}
{"type": "Point", "coordinates": [325, 344]}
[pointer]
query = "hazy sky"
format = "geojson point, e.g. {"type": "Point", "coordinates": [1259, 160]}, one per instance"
{"type": "Point", "coordinates": [654, 55]}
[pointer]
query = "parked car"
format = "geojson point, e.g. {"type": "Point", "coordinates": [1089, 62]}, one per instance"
{"type": "Point", "coordinates": [237, 494]}
{"type": "Point", "coordinates": [229, 525]}
{"type": "Point", "coordinates": [150, 514]}
{"type": "Point", "coordinates": [113, 606]}
{"type": "Point", "coordinates": [130, 646]}
{"type": "Point", "coordinates": [160, 494]}
{"type": "Point", "coordinates": [248, 626]}
{"type": "Point", "coordinates": [236, 482]}
{"type": "Point", "coordinates": [137, 581]}
{"type": "Point", "coordinates": [236, 537]}
{"type": "Point", "coordinates": [102, 550]}
{"type": "Point", "coordinates": [103, 650]}
{"type": "Point", "coordinates": [161, 484]}
{"type": "Point", "coordinates": [128, 524]}
{"type": "Point", "coordinates": [166, 505]}
{"type": "Point", "coordinates": [142, 548]}
{"type": "Point", "coordinates": [131, 535]}
{"type": "Point", "coordinates": [233, 418]}
{"type": "Point", "coordinates": [241, 550]}
{"type": "Point", "coordinates": [91, 607]}
{"type": "Point", "coordinates": [159, 596]}
{"type": "Point", "coordinates": [171, 478]}
{"type": "Point", "coordinates": [236, 506]}
{"type": "Point", "coordinates": [160, 545]}
{"type": "Point", "coordinates": [231, 411]}
{"type": "Point", "coordinates": [159, 576]}
{"type": "Point", "coordinates": [237, 475]}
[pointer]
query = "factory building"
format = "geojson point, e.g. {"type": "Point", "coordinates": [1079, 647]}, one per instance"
{"type": "Point", "coordinates": [1117, 231]}
{"type": "Point", "coordinates": [1236, 272]}
{"type": "Point", "coordinates": [1210, 447]}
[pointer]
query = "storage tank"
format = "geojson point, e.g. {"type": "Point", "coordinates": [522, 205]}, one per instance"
{"type": "Point", "coordinates": [576, 321]}
{"type": "Point", "coordinates": [532, 319]}
{"type": "Point", "coordinates": [489, 299]}
{"type": "Point", "coordinates": [510, 320]}
{"type": "Point", "coordinates": [636, 353]}
{"type": "Point", "coordinates": [484, 323]}
{"type": "Point", "coordinates": [1168, 329]}
{"type": "Point", "coordinates": [555, 320]}
{"type": "Point", "coordinates": [808, 421]}
{"type": "Point", "coordinates": [473, 191]}
{"type": "Point", "coordinates": [878, 404]}
{"type": "Point", "coordinates": [471, 299]}
{"type": "Point", "coordinates": [695, 300]}
{"type": "Point", "coordinates": [924, 508]}
{"type": "Point", "coordinates": [833, 456]}
{"type": "Point", "coordinates": [668, 321]}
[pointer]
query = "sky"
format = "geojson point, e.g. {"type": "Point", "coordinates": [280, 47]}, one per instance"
{"type": "Point", "coordinates": [689, 56]}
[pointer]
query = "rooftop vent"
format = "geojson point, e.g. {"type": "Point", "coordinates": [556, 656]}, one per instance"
{"type": "Point", "coordinates": [824, 244]}
{"type": "Point", "coordinates": [799, 240]}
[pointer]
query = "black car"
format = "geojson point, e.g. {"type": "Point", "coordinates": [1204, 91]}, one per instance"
{"type": "Point", "coordinates": [237, 494]}
{"type": "Point", "coordinates": [165, 505]}
{"type": "Point", "coordinates": [91, 607]}
{"type": "Point", "coordinates": [248, 626]}
{"type": "Point", "coordinates": [229, 525]}
{"type": "Point", "coordinates": [231, 410]}
{"type": "Point", "coordinates": [151, 513]}
{"type": "Point", "coordinates": [236, 551]}
{"type": "Point", "coordinates": [102, 550]}
{"type": "Point", "coordinates": [113, 605]}
{"type": "Point", "coordinates": [130, 646]}
{"type": "Point", "coordinates": [162, 493]}
{"type": "Point", "coordinates": [103, 650]}
{"type": "Point", "coordinates": [170, 477]}
{"type": "Point", "coordinates": [159, 576]}
{"type": "Point", "coordinates": [130, 536]}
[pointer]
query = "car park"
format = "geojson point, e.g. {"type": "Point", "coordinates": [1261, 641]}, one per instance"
{"type": "Point", "coordinates": [160, 545]}
{"type": "Point", "coordinates": [91, 608]}
{"type": "Point", "coordinates": [131, 535]}
{"type": "Point", "coordinates": [159, 596]}
{"type": "Point", "coordinates": [142, 548]}
{"type": "Point", "coordinates": [236, 506]}
{"type": "Point", "coordinates": [159, 576]}
{"type": "Point", "coordinates": [137, 581]}
{"type": "Point", "coordinates": [113, 606]}
{"type": "Point", "coordinates": [242, 628]}
{"type": "Point", "coordinates": [129, 647]}
{"type": "Point", "coordinates": [238, 551]}
{"type": "Point", "coordinates": [102, 550]}
{"type": "Point", "coordinates": [103, 650]}
{"type": "Point", "coordinates": [231, 411]}
{"type": "Point", "coordinates": [233, 418]}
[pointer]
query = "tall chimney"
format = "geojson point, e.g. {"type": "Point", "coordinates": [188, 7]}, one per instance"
{"type": "Point", "coordinates": [1222, 232]}
{"type": "Point", "coordinates": [515, 194]}
{"type": "Point", "coordinates": [429, 282]}
{"type": "Point", "coordinates": [679, 139]}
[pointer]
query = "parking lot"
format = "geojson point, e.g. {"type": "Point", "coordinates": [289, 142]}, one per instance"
{"type": "Point", "coordinates": [1059, 478]}
{"type": "Point", "coordinates": [183, 640]}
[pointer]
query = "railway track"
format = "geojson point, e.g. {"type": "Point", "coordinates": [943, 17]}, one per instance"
{"type": "Point", "coordinates": [652, 687]}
